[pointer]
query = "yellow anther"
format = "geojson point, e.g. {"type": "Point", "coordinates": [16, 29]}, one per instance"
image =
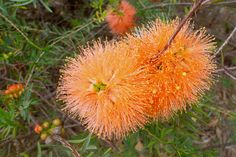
{"type": "Point", "coordinates": [154, 91]}
{"type": "Point", "coordinates": [184, 73]}
{"type": "Point", "coordinates": [178, 87]}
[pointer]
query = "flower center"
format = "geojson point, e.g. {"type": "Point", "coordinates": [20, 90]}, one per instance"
{"type": "Point", "coordinates": [99, 86]}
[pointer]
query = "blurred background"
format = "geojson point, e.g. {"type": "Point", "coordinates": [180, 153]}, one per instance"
{"type": "Point", "coordinates": [36, 36]}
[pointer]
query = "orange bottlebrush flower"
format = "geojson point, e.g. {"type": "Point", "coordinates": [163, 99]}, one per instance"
{"type": "Point", "coordinates": [122, 19]}
{"type": "Point", "coordinates": [106, 90]}
{"type": "Point", "coordinates": [182, 73]}
{"type": "Point", "coordinates": [38, 129]}
{"type": "Point", "coordinates": [14, 90]}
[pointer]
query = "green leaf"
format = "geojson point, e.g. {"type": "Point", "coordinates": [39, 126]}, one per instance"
{"type": "Point", "coordinates": [86, 144]}
{"type": "Point", "coordinates": [107, 153]}
{"type": "Point", "coordinates": [45, 5]}
{"type": "Point", "coordinates": [39, 153]}
{"type": "Point", "coordinates": [23, 3]}
{"type": "Point", "coordinates": [77, 141]}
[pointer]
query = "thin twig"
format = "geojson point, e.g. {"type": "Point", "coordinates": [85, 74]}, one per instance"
{"type": "Point", "coordinates": [185, 4]}
{"type": "Point", "coordinates": [72, 126]}
{"type": "Point", "coordinates": [66, 144]}
{"type": "Point", "coordinates": [112, 144]}
{"type": "Point", "coordinates": [39, 30]}
{"type": "Point", "coordinates": [220, 37]}
{"type": "Point", "coordinates": [76, 29]}
{"type": "Point", "coordinates": [26, 38]}
{"type": "Point", "coordinates": [11, 80]}
{"type": "Point", "coordinates": [10, 139]}
{"type": "Point", "coordinates": [222, 69]}
{"type": "Point", "coordinates": [46, 101]}
{"type": "Point", "coordinates": [219, 3]}
{"type": "Point", "coordinates": [167, 5]}
{"type": "Point", "coordinates": [53, 106]}
{"type": "Point", "coordinates": [218, 145]}
{"type": "Point", "coordinates": [142, 4]}
{"type": "Point", "coordinates": [227, 72]}
{"type": "Point", "coordinates": [97, 32]}
{"type": "Point", "coordinates": [30, 148]}
{"type": "Point", "coordinates": [195, 7]}
{"type": "Point", "coordinates": [33, 68]}
{"type": "Point", "coordinates": [226, 42]}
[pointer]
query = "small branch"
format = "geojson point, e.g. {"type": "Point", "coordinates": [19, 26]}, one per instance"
{"type": "Point", "coordinates": [10, 80]}
{"type": "Point", "coordinates": [220, 37]}
{"type": "Point", "coordinates": [39, 30]}
{"type": "Point", "coordinates": [8, 140]}
{"type": "Point", "coordinates": [166, 5]}
{"type": "Point", "coordinates": [218, 145]}
{"type": "Point", "coordinates": [31, 148]}
{"type": "Point", "coordinates": [227, 72]}
{"type": "Point", "coordinates": [162, 5]}
{"type": "Point", "coordinates": [33, 68]}
{"type": "Point", "coordinates": [226, 42]}
{"type": "Point", "coordinates": [26, 38]}
{"type": "Point", "coordinates": [97, 32]}
{"type": "Point", "coordinates": [112, 144]}
{"type": "Point", "coordinates": [219, 3]}
{"type": "Point", "coordinates": [72, 126]}
{"type": "Point", "coordinates": [195, 7]}
{"type": "Point", "coordinates": [222, 70]}
{"type": "Point", "coordinates": [66, 144]}
{"type": "Point", "coordinates": [53, 106]}
{"type": "Point", "coordinates": [142, 4]}
{"type": "Point", "coordinates": [69, 33]}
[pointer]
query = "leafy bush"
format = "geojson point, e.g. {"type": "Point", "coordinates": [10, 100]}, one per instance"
{"type": "Point", "coordinates": [36, 36]}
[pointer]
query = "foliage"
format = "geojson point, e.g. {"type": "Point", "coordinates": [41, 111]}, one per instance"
{"type": "Point", "coordinates": [32, 50]}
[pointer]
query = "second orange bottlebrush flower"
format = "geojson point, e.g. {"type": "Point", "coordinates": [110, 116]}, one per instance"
{"type": "Point", "coordinates": [122, 19]}
{"type": "Point", "coordinates": [182, 74]}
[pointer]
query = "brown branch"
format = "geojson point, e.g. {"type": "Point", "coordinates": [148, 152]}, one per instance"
{"type": "Point", "coordinates": [222, 69]}
{"type": "Point", "coordinates": [66, 144]}
{"type": "Point", "coordinates": [229, 73]}
{"type": "Point", "coordinates": [226, 42]}
{"type": "Point", "coordinates": [162, 5]}
{"type": "Point", "coordinates": [53, 106]}
{"type": "Point", "coordinates": [218, 145]}
{"type": "Point", "coordinates": [8, 140]}
{"type": "Point", "coordinates": [195, 7]}
{"type": "Point", "coordinates": [10, 80]}
{"type": "Point", "coordinates": [111, 143]}
{"type": "Point", "coordinates": [222, 38]}
{"type": "Point", "coordinates": [167, 4]}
